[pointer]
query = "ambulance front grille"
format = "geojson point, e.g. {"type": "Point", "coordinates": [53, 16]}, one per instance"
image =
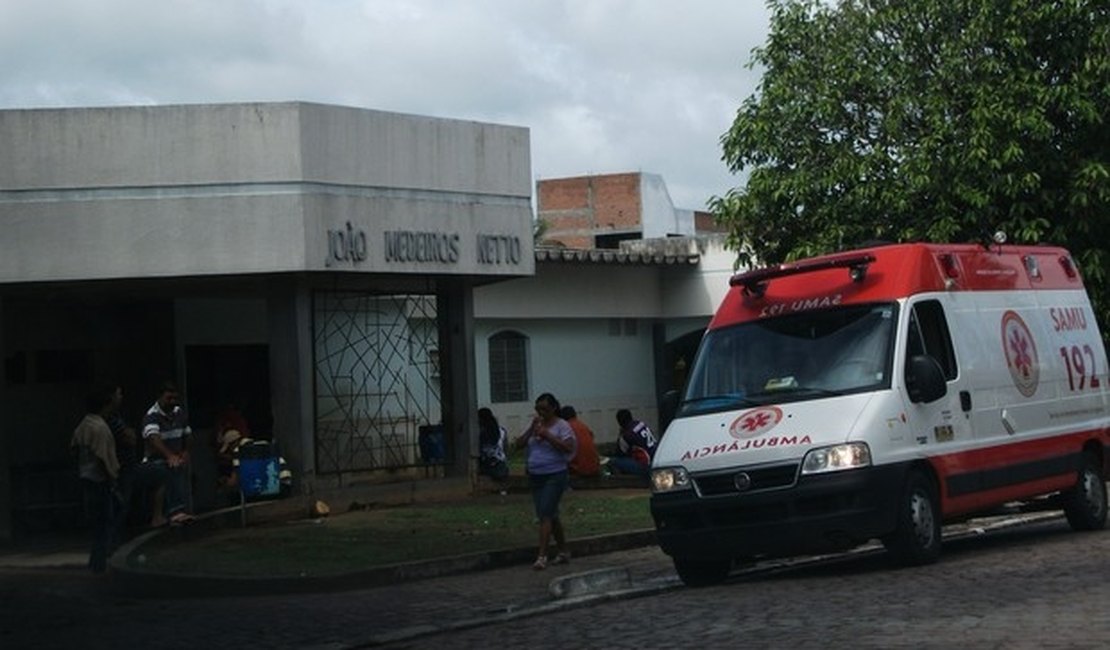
{"type": "Point", "coordinates": [759, 479]}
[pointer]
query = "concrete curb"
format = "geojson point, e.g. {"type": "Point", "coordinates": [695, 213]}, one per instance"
{"type": "Point", "coordinates": [590, 582]}
{"type": "Point", "coordinates": [131, 578]}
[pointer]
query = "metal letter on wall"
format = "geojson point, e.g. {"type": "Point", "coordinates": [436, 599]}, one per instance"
{"type": "Point", "coordinates": [377, 380]}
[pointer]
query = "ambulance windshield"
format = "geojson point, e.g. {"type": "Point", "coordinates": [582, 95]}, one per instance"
{"type": "Point", "coordinates": [801, 356]}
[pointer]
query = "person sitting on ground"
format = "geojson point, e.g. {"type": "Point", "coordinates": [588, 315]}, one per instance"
{"type": "Point", "coordinates": [492, 440]}
{"type": "Point", "coordinates": [635, 446]}
{"type": "Point", "coordinates": [232, 445]}
{"type": "Point", "coordinates": [586, 461]}
{"type": "Point", "coordinates": [230, 417]}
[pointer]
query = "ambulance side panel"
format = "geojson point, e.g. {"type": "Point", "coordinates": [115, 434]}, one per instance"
{"type": "Point", "coordinates": [1032, 409]}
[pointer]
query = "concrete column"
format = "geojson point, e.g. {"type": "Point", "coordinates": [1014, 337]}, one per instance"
{"type": "Point", "coordinates": [455, 309]}
{"type": "Point", "coordinates": [6, 496]}
{"type": "Point", "coordinates": [289, 321]}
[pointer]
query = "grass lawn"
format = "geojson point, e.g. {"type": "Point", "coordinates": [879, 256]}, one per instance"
{"type": "Point", "coordinates": [369, 538]}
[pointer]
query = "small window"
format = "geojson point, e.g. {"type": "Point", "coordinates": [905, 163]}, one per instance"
{"type": "Point", "coordinates": [508, 367]}
{"type": "Point", "coordinates": [928, 334]}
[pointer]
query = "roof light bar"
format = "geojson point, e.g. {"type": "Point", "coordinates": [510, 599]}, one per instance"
{"type": "Point", "coordinates": [755, 281]}
{"type": "Point", "coordinates": [1069, 267]}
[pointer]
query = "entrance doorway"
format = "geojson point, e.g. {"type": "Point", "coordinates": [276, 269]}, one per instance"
{"type": "Point", "coordinates": [218, 376]}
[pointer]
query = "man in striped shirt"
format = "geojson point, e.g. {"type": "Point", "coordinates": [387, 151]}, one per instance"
{"type": "Point", "coordinates": [166, 436]}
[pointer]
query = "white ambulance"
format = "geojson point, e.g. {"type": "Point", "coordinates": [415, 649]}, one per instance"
{"type": "Point", "coordinates": [878, 393]}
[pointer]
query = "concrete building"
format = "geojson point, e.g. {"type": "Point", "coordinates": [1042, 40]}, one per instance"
{"type": "Point", "coordinates": [358, 282]}
{"type": "Point", "coordinates": [315, 264]}
{"type": "Point", "coordinates": [625, 285]}
{"type": "Point", "coordinates": [601, 329]}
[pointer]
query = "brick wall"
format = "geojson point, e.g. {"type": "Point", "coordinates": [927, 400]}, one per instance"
{"type": "Point", "coordinates": [577, 208]}
{"type": "Point", "coordinates": [703, 222]}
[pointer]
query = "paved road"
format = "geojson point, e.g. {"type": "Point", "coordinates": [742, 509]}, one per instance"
{"type": "Point", "coordinates": [1040, 586]}
{"type": "Point", "coordinates": [1036, 586]}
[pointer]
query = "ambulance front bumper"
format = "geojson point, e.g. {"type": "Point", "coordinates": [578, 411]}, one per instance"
{"type": "Point", "coordinates": [819, 513]}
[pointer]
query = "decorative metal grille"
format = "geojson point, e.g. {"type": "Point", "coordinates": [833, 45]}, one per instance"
{"type": "Point", "coordinates": [508, 367]}
{"type": "Point", "coordinates": [377, 379]}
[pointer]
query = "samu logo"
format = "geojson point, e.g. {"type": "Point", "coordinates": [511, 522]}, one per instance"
{"type": "Point", "coordinates": [1021, 354]}
{"type": "Point", "coordinates": [755, 422]}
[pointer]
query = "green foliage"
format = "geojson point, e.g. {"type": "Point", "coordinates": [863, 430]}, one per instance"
{"type": "Point", "coordinates": [539, 230]}
{"type": "Point", "coordinates": [934, 120]}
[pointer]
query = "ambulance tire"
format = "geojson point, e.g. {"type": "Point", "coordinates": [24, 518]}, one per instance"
{"type": "Point", "coordinates": [1085, 504]}
{"type": "Point", "coordinates": [700, 572]}
{"type": "Point", "coordinates": [916, 539]}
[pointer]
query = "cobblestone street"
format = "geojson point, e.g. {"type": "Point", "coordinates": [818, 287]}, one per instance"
{"type": "Point", "coordinates": [1041, 586]}
{"type": "Point", "coordinates": [1034, 586]}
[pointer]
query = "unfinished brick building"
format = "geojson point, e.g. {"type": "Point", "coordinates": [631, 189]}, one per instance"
{"type": "Point", "coordinates": [600, 211]}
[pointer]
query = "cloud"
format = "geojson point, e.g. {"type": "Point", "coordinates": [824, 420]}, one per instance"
{"type": "Point", "coordinates": [604, 85]}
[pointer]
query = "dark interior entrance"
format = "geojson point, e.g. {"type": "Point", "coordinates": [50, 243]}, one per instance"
{"type": "Point", "coordinates": [218, 376]}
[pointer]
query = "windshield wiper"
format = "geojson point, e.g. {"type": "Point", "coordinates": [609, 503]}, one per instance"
{"type": "Point", "coordinates": [725, 398]}
{"type": "Point", "coordinates": [824, 392]}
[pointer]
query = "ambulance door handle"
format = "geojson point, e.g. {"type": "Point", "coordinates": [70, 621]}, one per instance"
{"type": "Point", "coordinates": [1007, 423]}
{"type": "Point", "coordinates": [965, 400]}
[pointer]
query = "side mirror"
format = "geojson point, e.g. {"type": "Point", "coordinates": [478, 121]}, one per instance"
{"type": "Point", "coordinates": [925, 379]}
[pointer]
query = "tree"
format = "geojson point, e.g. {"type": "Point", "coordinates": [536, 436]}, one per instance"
{"type": "Point", "coordinates": [934, 120]}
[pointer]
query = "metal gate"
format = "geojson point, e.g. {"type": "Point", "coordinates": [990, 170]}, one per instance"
{"type": "Point", "coordinates": [377, 379]}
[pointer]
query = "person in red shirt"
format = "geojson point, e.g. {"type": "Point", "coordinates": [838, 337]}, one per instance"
{"type": "Point", "coordinates": [585, 461]}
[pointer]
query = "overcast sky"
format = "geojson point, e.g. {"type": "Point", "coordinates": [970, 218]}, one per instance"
{"type": "Point", "coordinates": [603, 85]}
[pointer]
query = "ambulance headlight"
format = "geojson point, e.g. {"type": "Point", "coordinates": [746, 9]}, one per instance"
{"type": "Point", "coordinates": [669, 479]}
{"type": "Point", "coordinates": [833, 459]}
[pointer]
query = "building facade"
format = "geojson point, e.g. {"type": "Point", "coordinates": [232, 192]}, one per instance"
{"type": "Point", "coordinates": [313, 264]}
{"type": "Point", "coordinates": [601, 329]}
{"type": "Point", "coordinates": [625, 285]}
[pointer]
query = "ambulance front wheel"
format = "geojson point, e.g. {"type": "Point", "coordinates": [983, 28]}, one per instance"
{"type": "Point", "coordinates": [701, 572]}
{"type": "Point", "coordinates": [1085, 504]}
{"type": "Point", "coordinates": [916, 538]}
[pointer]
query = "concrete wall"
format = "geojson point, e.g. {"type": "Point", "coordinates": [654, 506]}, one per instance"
{"type": "Point", "coordinates": [659, 217]}
{"type": "Point", "coordinates": [698, 293]}
{"type": "Point", "coordinates": [574, 291]}
{"type": "Point", "coordinates": [253, 188]}
{"type": "Point", "coordinates": [582, 362]}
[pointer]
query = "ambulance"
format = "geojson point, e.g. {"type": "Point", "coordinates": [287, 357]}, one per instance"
{"type": "Point", "coordinates": [879, 393]}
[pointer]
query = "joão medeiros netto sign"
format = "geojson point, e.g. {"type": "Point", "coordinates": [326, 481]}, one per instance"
{"type": "Point", "coordinates": [406, 246]}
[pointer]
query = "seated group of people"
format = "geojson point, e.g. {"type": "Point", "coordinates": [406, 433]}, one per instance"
{"type": "Point", "coordinates": [634, 451]}
{"type": "Point", "coordinates": [131, 475]}
{"type": "Point", "coordinates": [234, 442]}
